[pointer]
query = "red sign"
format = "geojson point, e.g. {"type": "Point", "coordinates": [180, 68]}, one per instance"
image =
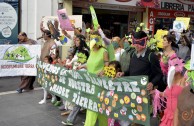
{"type": "Point", "coordinates": [156, 13]}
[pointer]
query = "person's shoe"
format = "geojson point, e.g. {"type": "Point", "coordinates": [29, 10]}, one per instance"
{"type": "Point", "coordinates": [58, 103]}
{"type": "Point", "coordinates": [19, 90]}
{"type": "Point", "coordinates": [42, 102]}
{"type": "Point", "coordinates": [62, 108]}
{"type": "Point", "coordinates": [67, 123]}
{"type": "Point", "coordinates": [66, 113]}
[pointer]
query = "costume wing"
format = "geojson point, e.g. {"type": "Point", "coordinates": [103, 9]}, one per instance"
{"type": "Point", "coordinates": [171, 73]}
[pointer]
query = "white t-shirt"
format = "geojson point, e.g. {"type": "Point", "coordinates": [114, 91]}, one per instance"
{"type": "Point", "coordinates": [118, 54]}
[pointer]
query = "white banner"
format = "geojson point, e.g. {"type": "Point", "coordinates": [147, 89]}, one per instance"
{"type": "Point", "coordinates": [19, 60]}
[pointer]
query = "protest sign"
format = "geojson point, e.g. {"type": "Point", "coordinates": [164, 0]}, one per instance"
{"type": "Point", "coordinates": [64, 20]}
{"type": "Point", "coordinates": [178, 26]}
{"type": "Point", "coordinates": [19, 60]}
{"type": "Point", "coordinates": [94, 17]}
{"type": "Point", "coordinates": [123, 98]}
{"type": "Point", "coordinates": [185, 20]}
{"type": "Point", "coordinates": [159, 37]}
{"type": "Point", "coordinates": [77, 21]}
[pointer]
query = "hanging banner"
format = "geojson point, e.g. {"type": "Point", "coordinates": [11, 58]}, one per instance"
{"type": "Point", "coordinates": [64, 20]}
{"type": "Point", "coordinates": [123, 98]}
{"type": "Point", "coordinates": [94, 17]}
{"type": "Point", "coordinates": [9, 22]}
{"type": "Point", "coordinates": [19, 60]}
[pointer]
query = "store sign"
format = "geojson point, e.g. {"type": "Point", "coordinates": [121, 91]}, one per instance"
{"type": "Point", "coordinates": [156, 13]}
{"type": "Point", "coordinates": [151, 20]}
{"type": "Point", "coordinates": [8, 21]}
{"type": "Point", "coordinates": [180, 5]}
{"type": "Point", "coordinates": [110, 5]}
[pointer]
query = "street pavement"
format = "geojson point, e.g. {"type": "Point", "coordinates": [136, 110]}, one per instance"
{"type": "Point", "coordinates": [23, 109]}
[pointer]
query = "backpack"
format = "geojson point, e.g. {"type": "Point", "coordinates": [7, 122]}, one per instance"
{"type": "Point", "coordinates": [125, 59]}
{"type": "Point", "coordinates": [126, 56]}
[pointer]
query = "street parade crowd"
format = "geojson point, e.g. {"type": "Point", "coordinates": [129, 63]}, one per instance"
{"type": "Point", "coordinates": [170, 84]}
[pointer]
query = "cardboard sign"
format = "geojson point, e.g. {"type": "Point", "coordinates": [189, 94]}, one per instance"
{"type": "Point", "coordinates": [185, 20]}
{"type": "Point", "coordinates": [178, 26]}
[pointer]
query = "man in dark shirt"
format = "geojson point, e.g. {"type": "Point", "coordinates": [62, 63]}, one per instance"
{"type": "Point", "coordinates": [143, 62]}
{"type": "Point", "coordinates": [26, 81]}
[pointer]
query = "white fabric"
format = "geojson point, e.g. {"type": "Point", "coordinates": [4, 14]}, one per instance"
{"type": "Point", "coordinates": [118, 54]}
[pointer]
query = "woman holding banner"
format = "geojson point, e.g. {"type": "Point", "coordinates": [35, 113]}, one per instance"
{"type": "Point", "coordinates": [97, 60]}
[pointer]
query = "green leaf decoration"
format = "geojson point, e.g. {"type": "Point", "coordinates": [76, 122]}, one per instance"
{"type": "Point", "coordinates": [82, 58]}
{"type": "Point", "coordinates": [94, 17]}
{"type": "Point", "coordinates": [142, 24]}
{"type": "Point", "coordinates": [88, 30]}
{"type": "Point", "coordinates": [187, 65]}
{"type": "Point", "coordinates": [138, 29]}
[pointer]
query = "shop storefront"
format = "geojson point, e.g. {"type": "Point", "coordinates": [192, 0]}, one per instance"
{"type": "Point", "coordinates": [163, 18]}
{"type": "Point", "coordinates": [119, 17]}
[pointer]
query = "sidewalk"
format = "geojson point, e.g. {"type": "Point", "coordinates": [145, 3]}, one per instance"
{"type": "Point", "coordinates": [24, 110]}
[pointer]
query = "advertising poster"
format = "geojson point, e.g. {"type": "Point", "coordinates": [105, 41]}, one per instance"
{"type": "Point", "coordinates": [9, 21]}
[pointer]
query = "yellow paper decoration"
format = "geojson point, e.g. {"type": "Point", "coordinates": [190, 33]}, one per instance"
{"type": "Point", "coordinates": [185, 20]}
{"type": "Point", "coordinates": [159, 37]}
{"type": "Point", "coordinates": [110, 72]}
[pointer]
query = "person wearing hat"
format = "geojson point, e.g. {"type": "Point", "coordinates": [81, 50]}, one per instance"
{"type": "Point", "coordinates": [97, 60]}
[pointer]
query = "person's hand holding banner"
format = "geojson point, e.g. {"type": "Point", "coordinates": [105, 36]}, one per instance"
{"type": "Point", "coordinates": [94, 18]}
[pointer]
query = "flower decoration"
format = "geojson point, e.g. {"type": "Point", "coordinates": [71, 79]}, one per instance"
{"type": "Point", "coordinates": [152, 44]}
{"type": "Point", "coordinates": [190, 74]}
{"type": "Point", "coordinates": [110, 72]}
{"type": "Point", "coordinates": [82, 58]}
{"type": "Point", "coordinates": [178, 63]}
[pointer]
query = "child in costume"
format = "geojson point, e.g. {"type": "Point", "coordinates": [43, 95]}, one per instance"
{"type": "Point", "coordinates": [176, 82]}
{"type": "Point", "coordinates": [49, 60]}
{"type": "Point", "coordinates": [113, 68]}
{"type": "Point", "coordinates": [54, 53]}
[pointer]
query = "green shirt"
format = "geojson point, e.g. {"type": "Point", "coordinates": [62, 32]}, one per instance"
{"type": "Point", "coordinates": [95, 62]}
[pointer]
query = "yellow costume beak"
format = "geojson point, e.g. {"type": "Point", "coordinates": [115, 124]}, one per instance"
{"type": "Point", "coordinates": [92, 43]}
